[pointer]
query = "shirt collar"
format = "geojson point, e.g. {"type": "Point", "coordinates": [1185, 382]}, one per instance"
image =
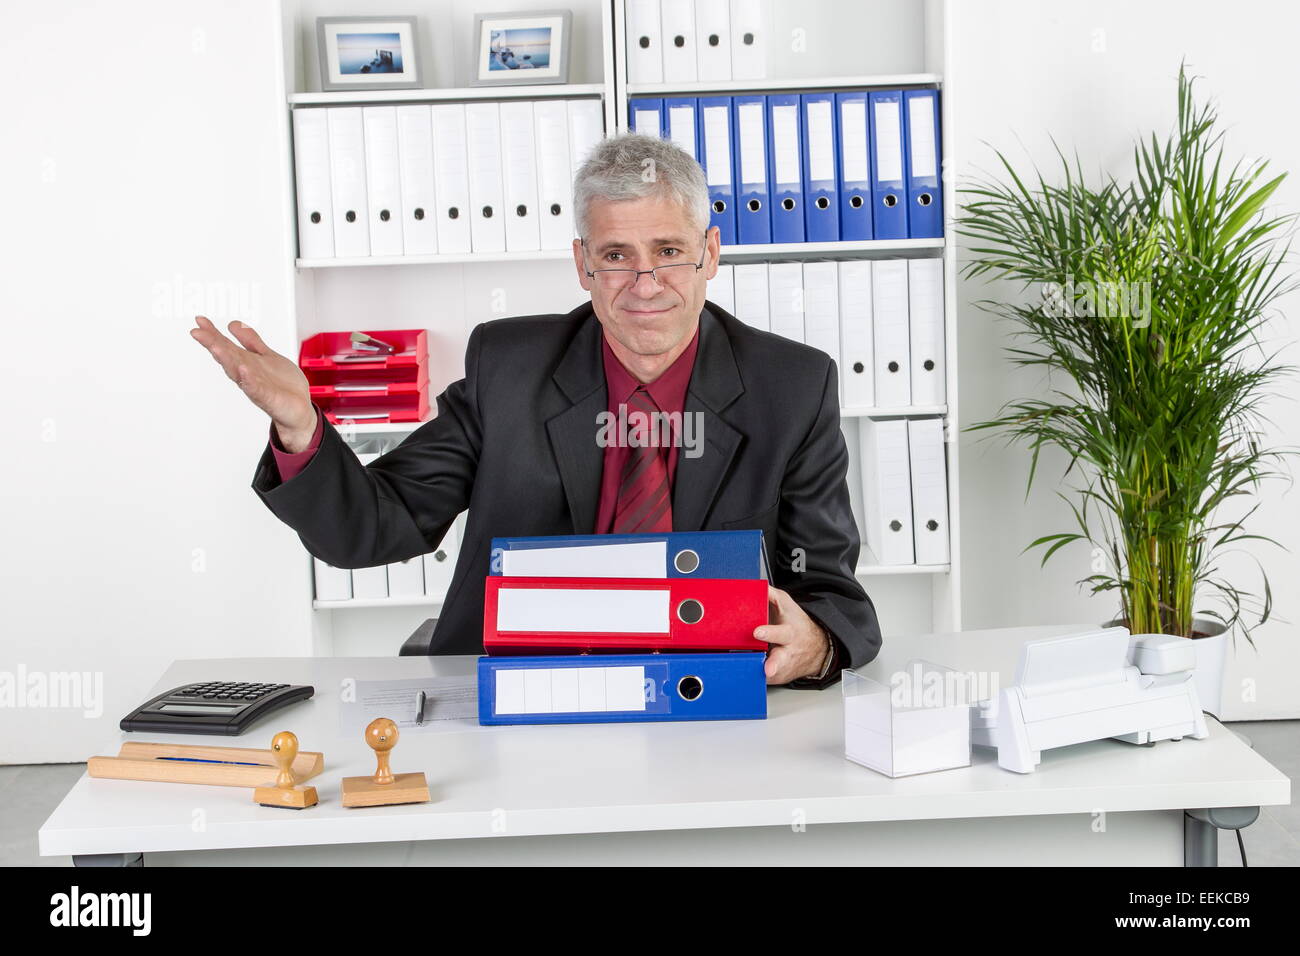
{"type": "Point", "coordinates": [668, 390]}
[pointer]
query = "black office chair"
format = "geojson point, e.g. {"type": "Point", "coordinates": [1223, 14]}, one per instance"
{"type": "Point", "coordinates": [418, 643]}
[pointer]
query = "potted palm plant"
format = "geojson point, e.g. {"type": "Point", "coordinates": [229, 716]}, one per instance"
{"type": "Point", "coordinates": [1144, 307]}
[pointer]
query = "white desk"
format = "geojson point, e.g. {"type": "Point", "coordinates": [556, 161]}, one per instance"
{"type": "Point", "coordinates": [773, 791]}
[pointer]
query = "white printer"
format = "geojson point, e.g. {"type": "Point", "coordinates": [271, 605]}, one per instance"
{"type": "Point", "coordinates": [1089, 686]}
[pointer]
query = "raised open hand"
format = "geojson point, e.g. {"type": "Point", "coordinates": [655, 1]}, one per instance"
{"type": "Point", "coordinates": [272, 382]}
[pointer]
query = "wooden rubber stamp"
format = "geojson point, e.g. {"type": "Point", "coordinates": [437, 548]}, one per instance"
{"type": "Point", "coordinates": [385, 788]}
{"type": "Point", "coordinates": [285, 792]}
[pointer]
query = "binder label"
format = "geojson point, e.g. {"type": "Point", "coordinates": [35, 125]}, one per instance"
{"type": "Point", "coordinates": [920, 117]}
{"type": "Point", "coordinates": [889, 144]}
{"type": "Point", "coordinates": [570, 690]}
{"type": "Point", "coordinates": [575, 610]}
{"type": "Point", "coordinates": [717, 146]}
{"type": "Point", "coordinates": [821, 166]}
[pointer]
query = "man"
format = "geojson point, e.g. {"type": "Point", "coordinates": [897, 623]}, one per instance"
{"type": "Point", "coordinates": [522, 440]}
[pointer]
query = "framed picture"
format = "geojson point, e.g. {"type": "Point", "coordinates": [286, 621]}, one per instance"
{"type": "Point", "coordinates": [368, 53]}
{"type": "Point", "coordinates": [517, 48]}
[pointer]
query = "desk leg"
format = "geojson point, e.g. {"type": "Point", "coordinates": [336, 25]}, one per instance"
{"type": "Point", "coordinates": [109, 859]}
{"type": "Point", "coordinates": [1201, 831]}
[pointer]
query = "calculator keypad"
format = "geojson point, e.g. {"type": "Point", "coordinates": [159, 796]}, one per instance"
{"type": "Point", "coordinates": [229, 690]}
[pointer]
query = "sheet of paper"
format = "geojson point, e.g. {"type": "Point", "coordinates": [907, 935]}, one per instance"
{"type": "Point", "coordinates": [451, 705]}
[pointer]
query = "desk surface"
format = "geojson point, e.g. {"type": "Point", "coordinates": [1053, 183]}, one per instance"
{"type": "Point", "coordinates": [601, 778]}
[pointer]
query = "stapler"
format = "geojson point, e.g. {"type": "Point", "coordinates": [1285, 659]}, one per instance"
{"type": "Point", "coordinates": [1106, 683]}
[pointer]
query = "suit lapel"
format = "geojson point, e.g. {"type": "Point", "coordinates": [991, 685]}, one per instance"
{"type": "Point", "coordinates": [579, 460]}
{"type": "Point", "coordinates": [715, 384]}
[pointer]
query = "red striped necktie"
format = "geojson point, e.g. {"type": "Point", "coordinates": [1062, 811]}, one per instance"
{"type": "Point", "coordinates": [645, 502]}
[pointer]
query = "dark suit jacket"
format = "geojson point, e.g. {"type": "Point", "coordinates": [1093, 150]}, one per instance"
{"type": "Point", "coordinates": [514, 441]}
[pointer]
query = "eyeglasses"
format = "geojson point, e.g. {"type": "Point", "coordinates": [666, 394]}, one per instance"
{"type": "Point", "coordinates": [674, 274]}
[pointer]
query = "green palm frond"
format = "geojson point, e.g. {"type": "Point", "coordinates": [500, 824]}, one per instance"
{"type": "Point", "coordinates": [1143, 304]}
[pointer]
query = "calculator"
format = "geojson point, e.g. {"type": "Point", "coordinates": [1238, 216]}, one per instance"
{"type": "Point", "coordinates": [227, 707]}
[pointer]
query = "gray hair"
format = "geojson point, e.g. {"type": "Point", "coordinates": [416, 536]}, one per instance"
{"type": "Point", "coordinates": [634, 166]}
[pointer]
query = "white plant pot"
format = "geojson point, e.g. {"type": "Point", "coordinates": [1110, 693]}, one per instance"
{"type": "Point", "coordinates": [1211, 653]}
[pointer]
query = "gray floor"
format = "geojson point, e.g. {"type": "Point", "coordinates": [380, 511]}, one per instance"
{"type": "Point", "coordinates": [30, 793]}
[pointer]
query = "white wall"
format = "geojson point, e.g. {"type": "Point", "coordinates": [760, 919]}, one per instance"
{"type": "Point", "coordinates": [1095, 74]}
{"type": "Point", "coordinates": [135, 165]}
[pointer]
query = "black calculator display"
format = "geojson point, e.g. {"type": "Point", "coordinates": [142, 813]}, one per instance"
{"type": "Point", "coordinates": [213, 707]}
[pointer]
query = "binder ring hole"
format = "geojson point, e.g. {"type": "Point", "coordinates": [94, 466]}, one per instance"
{"type": "Point", "coordinates": [453, 213]}
{"type": "Point", "coordinates": [893, 366]}
{"type": "Point", "coordinates": [932, 525]}
{"type": "Point", "coordinates": [719, 205]}
{"type": "Point", "coordinates": [521, 210]}
{"type": "Point", "coordinates": [690, 687]}
{"type": "Point", "coordinates": [895, 525]}
{"type": "Point", "coordinates": [859, 367]}
{"type": "Point", "coordinates": [315, 218]}
{"type": "Point", "coordinates": [924, 199]}
{"type": "Point", "coordinates": [822, 202]}
{"type": "Point", "coordinates": [419, 213]}
{"type": "Point", "coordinates": [555, 209]}
{"type": "Point", "coordinates": [350, 216]}
{"type": "Point", "coordinates": [384, 215]}
{"type": "Point", "coordinates": [754, 205]}
{"type": "Point", "coordinates": [679, 41]}
{"type": "Point", "coordinates": [928, 365]}
{"type": "Point", "coordinates": [891, 201]}
{"type": "Point", "coordinates": [787, 204]}
{"type": "Point", "coordinates": [855, 202]}
{"type": "Point", "coordinates": [690, 611]}
{"type": "Point", "coordinates": [644, 43]}
{"type": "Point", "coordinates": [686, 561]}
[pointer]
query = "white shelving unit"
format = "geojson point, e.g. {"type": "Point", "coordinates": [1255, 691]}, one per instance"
{"type": "Point", "coordinates": [330, 293]}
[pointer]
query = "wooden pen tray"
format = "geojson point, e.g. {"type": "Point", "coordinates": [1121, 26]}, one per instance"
{"type": "Point", "coordinates": [186, 763]}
